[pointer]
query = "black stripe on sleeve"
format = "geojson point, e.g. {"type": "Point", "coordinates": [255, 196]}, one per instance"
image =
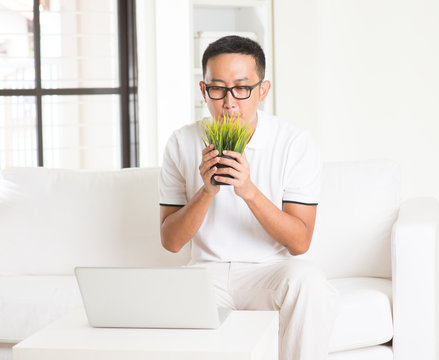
{"type": "Point", "coordinates": [171, 205]}
{"type": "Point", "coordinates": [297, 202]}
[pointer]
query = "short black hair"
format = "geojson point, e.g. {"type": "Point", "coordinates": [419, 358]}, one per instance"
{"type": "Point", "coordinates": [233, 44]}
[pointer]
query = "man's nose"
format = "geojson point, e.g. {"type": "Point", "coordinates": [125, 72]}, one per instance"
{"type": "Point", "coordinates": [229, 100]}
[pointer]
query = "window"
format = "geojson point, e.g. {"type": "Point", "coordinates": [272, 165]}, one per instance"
{"type": "Point", "coordinates": [68, 84]}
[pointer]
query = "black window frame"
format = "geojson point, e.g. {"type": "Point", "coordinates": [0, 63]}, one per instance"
{"type": "Point", "coordinates": [127, 89]}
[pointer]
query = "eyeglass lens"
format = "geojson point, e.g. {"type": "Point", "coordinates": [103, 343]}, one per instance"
{"type": "Point", "coordinates": [219, 92]}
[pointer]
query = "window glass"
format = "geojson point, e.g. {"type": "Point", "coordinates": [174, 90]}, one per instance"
{"type": "Point", "coordinates": [79, 43]}
{"type": "Point", "coordinates": [18, 128]}
{"type": "Point", "coordinates": [81, 131]}
{"type": "Point", "coordinates": [16, 45]}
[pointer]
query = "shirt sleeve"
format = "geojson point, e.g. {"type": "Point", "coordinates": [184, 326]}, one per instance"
{"type": "Point", "coordinates": [172, 184]}
{"type": "Point", "coordinates": [302, 171]}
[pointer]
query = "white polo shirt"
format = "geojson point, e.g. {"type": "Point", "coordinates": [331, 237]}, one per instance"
{"type": "Point", "coordinates": [285, 165]}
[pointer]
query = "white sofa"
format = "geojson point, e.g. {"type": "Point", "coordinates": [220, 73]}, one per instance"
{"type": "Point", "coordinates": [379, 253]}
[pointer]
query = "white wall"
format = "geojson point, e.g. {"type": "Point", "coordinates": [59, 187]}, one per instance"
{"type": "Point", "coordinates": [363, 77]}
{"type": "Point", "coordinates": [174, 62]}
{"type": "Point", "coordinates": [147, 82]}
{"type": "Point", "coordinates": [164, 66]}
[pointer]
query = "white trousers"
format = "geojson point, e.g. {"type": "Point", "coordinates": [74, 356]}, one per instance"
{"type": "Point", "coordinates": [306, 302]}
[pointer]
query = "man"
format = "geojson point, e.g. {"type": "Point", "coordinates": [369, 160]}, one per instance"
{"type": "Point", "coordinates": [249, 233]}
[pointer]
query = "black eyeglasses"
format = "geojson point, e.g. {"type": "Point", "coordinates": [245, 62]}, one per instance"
{"type": "Point", "coordinates": [240, 92]}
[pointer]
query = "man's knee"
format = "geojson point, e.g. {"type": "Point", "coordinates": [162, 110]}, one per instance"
{"type": "Point", "coordinates": [303, 279]}
{"type": "Point", "coordinates": [300, 271]}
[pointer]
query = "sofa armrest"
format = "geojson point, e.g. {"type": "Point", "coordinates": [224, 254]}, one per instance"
{"type": "Point", "coordinates": [415, 235]}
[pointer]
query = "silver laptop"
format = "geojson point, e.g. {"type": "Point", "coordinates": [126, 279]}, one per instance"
{"type": "Point", "coordinates": [177, 297]}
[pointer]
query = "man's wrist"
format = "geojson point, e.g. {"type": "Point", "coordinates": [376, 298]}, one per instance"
{"type": "Point", "coordinates": [251, 195]}
{"type": "Point", "coordinates": [206, 193]}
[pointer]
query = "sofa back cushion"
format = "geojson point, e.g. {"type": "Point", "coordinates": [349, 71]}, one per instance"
{"type": "Point", "coordinates": [52, 220]}
{"type": "Point", "coordinates": [358, 205]}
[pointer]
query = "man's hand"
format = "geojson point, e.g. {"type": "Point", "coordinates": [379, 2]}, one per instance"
{"type": "Point", "coordinates": [240, 171]}
{"type": "Point", "coordinates": [207, 169]}
{"type": "Point", "coordinates": [180, 224]}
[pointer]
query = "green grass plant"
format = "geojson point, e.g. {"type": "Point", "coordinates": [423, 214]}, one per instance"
{"type": "Point", "coordinates": [226, 133]}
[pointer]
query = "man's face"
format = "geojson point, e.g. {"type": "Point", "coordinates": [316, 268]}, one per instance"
{"type": "Point", "coordinates": [234, 70]}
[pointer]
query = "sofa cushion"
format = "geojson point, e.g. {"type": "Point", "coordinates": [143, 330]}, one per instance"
{"type": "Point", "coordinates": [365, 313]}
{"type": "Point", "coordinates": [381, 352]}
{"type": "Point", "coordinates": [52, 220]}
{"type": "Point", "coordinates": [358, 205]}
{"type": "Point", "coordinates": [29, 303]}
{"type": "Point", "coordinates": [113, 219]}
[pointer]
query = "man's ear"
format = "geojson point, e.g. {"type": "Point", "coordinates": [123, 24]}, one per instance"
{"type": "Point", "coordinates": [203, 90]}
{"type": "Point", "coordinates": [263, 89]}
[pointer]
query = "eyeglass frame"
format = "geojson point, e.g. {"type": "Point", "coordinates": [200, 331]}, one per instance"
{"type": "Point", "coordinates": [250, 87]}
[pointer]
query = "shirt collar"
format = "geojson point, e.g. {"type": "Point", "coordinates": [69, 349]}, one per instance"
{"type": "Point", "coordinates": [257, 140]}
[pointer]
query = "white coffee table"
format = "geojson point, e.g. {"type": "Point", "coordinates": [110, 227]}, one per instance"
{"type": "Point", "coordinates": [251, 335]}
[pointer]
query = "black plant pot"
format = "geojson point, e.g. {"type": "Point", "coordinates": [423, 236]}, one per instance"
{"type": "Point", "coordinates": [220, 166]}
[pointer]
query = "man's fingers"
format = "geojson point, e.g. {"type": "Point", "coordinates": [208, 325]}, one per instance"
{"type": "Point", "coordinates": [232, 163]}
{"type": "Point", "coordinates": [207, 149]}
{"type": "Point", "coordinates": [206, 165]}
{"type": "Point", "coordinates": [236, 155]}
{"type": "Point", "coordinates": [228, 171]}
{"type": "Point", "coordinates": [209, 155]}
{"type": "Point", "coordinates": [226, 180]}
{"type": "Point", "coordinates": [209, 173]}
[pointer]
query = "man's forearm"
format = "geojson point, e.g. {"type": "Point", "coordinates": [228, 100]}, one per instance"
{"type": "Point", "coordinates": [181, 226]}
{"type": "Point", "coordinates": [288, 230]}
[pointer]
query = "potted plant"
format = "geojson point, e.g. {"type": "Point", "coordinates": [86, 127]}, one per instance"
{"type": "Point", "coordinates": [226, 133]}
